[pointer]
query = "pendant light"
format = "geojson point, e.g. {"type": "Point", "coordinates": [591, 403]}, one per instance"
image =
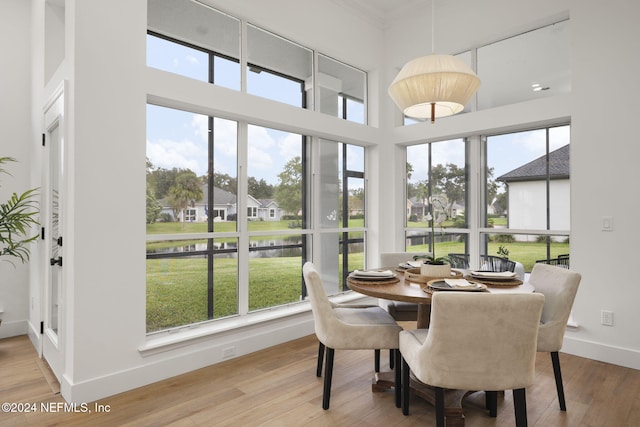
{"type": "Point", "coordinates": [434, 85]}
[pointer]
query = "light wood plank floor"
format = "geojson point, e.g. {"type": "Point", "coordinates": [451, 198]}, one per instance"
{"type": "Point", "coordinates": [278, 387]}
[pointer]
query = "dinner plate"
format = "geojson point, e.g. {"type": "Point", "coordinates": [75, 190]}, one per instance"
{"type": "Point", "coordinates": [372, 275]}
{"type": "Point", "coordinates": [494, 276]}
{"type": "Point", "coordinates": [441, 285]}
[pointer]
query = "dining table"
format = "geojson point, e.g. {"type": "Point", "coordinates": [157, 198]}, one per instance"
{"type": "Point", "coordinates": [406, 289]}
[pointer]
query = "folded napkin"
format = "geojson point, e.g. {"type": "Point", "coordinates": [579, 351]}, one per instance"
{"type": "Point", "coordinates": [460, 283]}
{"type": "Point", "coordinates": [373, 273]}
{"type": "Point", "coordinates": [411, 264]}
{"type": "Point", "coordinates": [503, 274]}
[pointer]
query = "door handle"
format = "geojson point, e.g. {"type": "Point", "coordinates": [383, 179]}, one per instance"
{"type": "Point", "coordinates": [55, 261]}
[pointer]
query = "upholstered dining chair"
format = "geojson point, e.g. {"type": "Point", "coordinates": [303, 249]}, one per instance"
{"type": "Point", "coordinates": [475, 341]}
{"type": "Point", "coordinates": [347, 328]}
{"type": "Point", "coordinates": [559, 286]}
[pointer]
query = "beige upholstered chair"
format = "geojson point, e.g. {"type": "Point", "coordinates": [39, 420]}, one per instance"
{"type": "Point", "coordinates": [559, 286]}
{"type": "Point", "coordinates": [475, 341]}
{"type": "Point", "coordinates": [347, 328]}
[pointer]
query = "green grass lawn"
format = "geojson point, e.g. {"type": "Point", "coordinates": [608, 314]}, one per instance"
{"type": "Point", "coordinates": [177, 287]}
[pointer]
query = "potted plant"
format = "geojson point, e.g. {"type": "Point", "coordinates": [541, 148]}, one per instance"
{"type": "Point", "coordinates": [435, 266]}
{"type": "Point", "coordinates": [17, 216]}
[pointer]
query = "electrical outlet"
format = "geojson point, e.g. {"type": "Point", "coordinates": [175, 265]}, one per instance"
{"type": "Point", "coordinates": [606, 317]}
{"type": "Point", "coordinates": [228, 352]}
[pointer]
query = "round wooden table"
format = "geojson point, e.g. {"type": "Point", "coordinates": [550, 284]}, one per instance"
{"type": "Point", "coordinates": [408, 291]}
{"type": "Point", "coordinates": [400, 290]}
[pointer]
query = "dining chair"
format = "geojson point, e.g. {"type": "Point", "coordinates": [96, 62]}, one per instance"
{"type": "Point", "coordinates": [347, 328]}
{"type": "Point", "coordinates": [496, 263]}
{"type": "Point", "coordinates": [559, 286]}
{"type": "Point", "coordinates": [475, 341]}
{"type": "Point", "coordinates": [459, 260]}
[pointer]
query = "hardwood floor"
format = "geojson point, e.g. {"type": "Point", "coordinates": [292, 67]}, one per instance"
{"type": "Point", "coordinates": [278, 387]}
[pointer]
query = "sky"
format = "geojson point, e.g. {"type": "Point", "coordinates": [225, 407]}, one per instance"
{"type": "Point", "coordinates": [179, 139]}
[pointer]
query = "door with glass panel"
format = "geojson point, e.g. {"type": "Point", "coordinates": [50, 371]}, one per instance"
{"type": "Point", "coordinates": [52, 348]}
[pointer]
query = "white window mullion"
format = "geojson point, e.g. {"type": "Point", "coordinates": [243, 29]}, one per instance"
{"type": "Point", "coordinates": [242, 218]}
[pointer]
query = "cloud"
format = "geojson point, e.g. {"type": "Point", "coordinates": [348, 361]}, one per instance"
{"type": "Point", "coordinates": [185, 154]}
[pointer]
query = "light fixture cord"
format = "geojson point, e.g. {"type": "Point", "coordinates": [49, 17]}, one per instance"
{"type": "Point", "coordinates": [433, 26]}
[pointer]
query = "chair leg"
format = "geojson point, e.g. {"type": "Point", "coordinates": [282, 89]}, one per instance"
{"type": "Point", "coordinates": [398, 376]}
{"type": "Point", "coordinates": [320, 357]}
{"type": "Point", "coordinates": [328, 373]}
{"type": "Point", "coordinates": [405, 384]}
{"type": "Point", "coordinates": [491, 402]}
{"type": "Point", "coordinates": [520, 406]}
{"type": "Point", "coordinates": [439, 406]}
{"type": "Point", "coordinates": [392, 359]}
{"type": "Point", "coordinates": [376, 360]}
{"type": "Point", "coordinates": [555, 361]}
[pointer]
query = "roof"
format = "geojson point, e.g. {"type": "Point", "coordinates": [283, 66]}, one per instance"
{"type": "Point", "coordinates": [220, 196]}
{"type": "Point", "coordinates": [559, 168]}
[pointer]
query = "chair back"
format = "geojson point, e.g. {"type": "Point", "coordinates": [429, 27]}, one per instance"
{"type": "Point", "coordinates": [481, 341]}
{"type": "Point", "coordinates": [393, 259]}
{"type": "Point", "coordinates": [459, 260]}
{"type": "Point", "coordinates": [559, 286]}
{"type": "Point", "coordinates": [496, 263]}
{"type": "Point", "coordinates": [321, 308]}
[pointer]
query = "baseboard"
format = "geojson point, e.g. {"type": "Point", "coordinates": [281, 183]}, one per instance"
{"type": "Point", "coordinates": [626, 357]}
{"type": "Point", "coordinates": [13, 329]}
{"type": "Point", "coordinates": [203, 354]}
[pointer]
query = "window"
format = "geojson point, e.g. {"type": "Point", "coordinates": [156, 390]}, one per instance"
{"type": "Point", "coordinates": [525, 67]}
{"type": "Point", "coordinates": [437, 181]}
{"type": "Point", "coordinates": [342, 211]}
{"type": "Point", "coordinates": [277, 68]}
{"type": "Point", "coordinates": [228, 203]}
{"type": "Point", "coordinates": [341, 90]}
{"type": "Point", "coordinates": [194, 40]}
{"type": "Point", "coordinates": [527, 194]}
{"type": "Point", "coordinates": [190, 279]}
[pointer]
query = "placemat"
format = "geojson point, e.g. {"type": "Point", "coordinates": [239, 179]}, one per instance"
{"type": "Point", "coordinates": [496, 283]}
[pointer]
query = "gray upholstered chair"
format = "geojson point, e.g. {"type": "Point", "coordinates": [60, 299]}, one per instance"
{"type": "Point", "coordinates": [348, 328]}
{"type": "Point", "coordinates": [475, 341]}
{"type": "Point", "coordinates": [559, 286]}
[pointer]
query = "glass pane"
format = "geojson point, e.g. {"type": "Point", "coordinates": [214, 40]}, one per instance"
{"type": "Point", "coordinates": [437, 169]}
{"type": "Point", "coordinates": [341, 90]}
{"type": "Point", "coordinates": [176, 58]}
{"type": "Point", "coordinates": [275, 270]}
{"type": "Point", "coordinates": [177, 153]}
{"type": "Point", "coordinates": [525, 67]}
{"type": "Point", "coordinates": [277, 68]}
{"type": "Point", "coordinates": [446, 243]}
{"type": "Point", "coordinates": [180, 290]}
{"type": "Point", "coordinates": [527, 249]}
{"type": "Point", "coordinates": [225, 176]}
{"type": "Point", "coordinates": [275, 179]}
{"type": "Point", "coordinates": [560, 186]}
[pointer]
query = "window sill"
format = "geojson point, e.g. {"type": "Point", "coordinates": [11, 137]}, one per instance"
{"type": "Point", "coordinates": [192, 334]}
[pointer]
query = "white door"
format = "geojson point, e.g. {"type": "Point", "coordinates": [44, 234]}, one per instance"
{"type": "Point", "coordinates": [53, 333]}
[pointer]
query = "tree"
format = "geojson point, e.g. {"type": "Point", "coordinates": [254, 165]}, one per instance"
{"type": "Point", "coordinates": [184, 192]}
{"type": "Point", "coordinates": [225, 182]}
{"type": "Point", "coordinates": [260, 189]}
{"type": "Point", "coordinates": [153, 207]}
{"type": "Point", "coordinates": [288, 193]}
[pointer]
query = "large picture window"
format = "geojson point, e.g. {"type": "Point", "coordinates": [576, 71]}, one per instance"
{"type": "Point", "coordinates": [436, 213]}
{"type": "Point", "coordinates": [527, 195]}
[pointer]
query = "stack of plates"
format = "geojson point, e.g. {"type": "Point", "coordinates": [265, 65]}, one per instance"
{"type": "Point", "coordinates": [410, 264]}
{"type": "Point", "coordinates": [373, 274]}
{"type": "Point", "coordinates": [454, 285]}
{"type": "Point", "coordinates": [494, 275]}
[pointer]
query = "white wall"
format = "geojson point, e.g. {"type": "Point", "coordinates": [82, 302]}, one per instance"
{"type": "Point", "coordinates": [15, 125]}
{"type": "Point", "coordinates": [105, 258]}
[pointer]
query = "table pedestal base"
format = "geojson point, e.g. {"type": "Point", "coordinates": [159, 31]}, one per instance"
{"type": "Point", "coordinates": [454, 417]}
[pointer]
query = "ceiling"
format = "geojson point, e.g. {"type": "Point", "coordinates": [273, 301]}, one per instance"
{"type": "Point", "coordinates": [381, 13]}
